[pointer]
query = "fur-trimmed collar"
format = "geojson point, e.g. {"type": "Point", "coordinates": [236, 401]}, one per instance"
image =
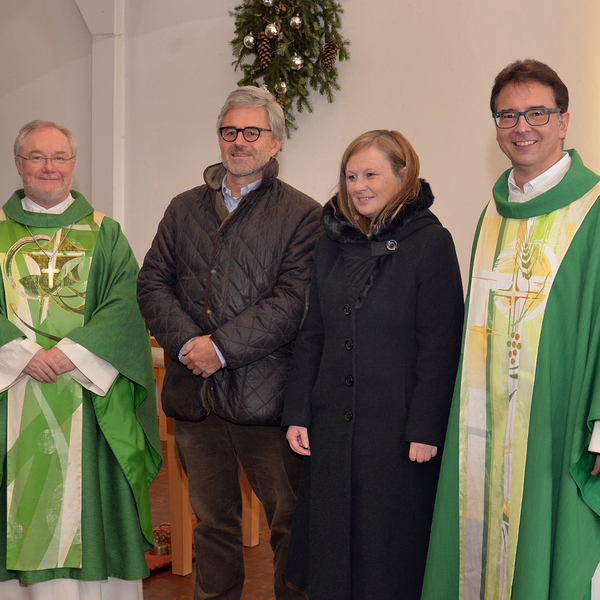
{"type": "Point", "coordinates": [340, 230]}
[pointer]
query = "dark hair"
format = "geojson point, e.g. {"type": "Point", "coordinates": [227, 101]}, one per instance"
{"type": "Point", "coordinates": [401, 156]}
{"type": "Point", "coordinates": [524, 71]}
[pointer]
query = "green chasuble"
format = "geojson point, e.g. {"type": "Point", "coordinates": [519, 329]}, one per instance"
{"type": "Point", "coordinates": [517, 514]}
{"type": "Point", "coordinates": [45, 278]}
{"type": "Point", "coordinates": [120, 451]}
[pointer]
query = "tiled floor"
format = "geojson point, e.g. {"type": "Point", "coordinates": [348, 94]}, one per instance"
{"type": "Point", "coordinates": [163, 585]}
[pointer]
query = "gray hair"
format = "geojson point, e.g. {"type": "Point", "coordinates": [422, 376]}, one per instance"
{"type": "Point", "coordinates": [250, 96]}
{"type": "Point", "coordinates": [35, 126]}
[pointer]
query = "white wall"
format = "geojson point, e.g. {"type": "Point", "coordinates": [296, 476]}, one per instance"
{"type": "Point", "coordinates": [424, 68]}
{"type": "Point", "coordinates": [45, 73]}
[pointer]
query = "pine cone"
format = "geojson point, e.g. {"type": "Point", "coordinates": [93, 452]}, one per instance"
{"type": "Point", "coordinates": [330, 53]}
{"type": "Point", "coordinates": [264, 50]}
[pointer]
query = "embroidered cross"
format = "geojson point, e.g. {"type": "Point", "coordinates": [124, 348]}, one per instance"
{"type": "Point", "coordinates": [55, 254]}
{"type": "Point", "coordinates": [51, 271]}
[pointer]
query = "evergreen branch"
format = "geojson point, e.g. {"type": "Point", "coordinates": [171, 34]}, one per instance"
{"type": "Point", "coordinates": [320, 22]}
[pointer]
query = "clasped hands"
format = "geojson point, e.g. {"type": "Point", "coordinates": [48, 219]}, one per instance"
{"type": "Point", "coordinates": [298, 439]}
{"type": "Point", "coordinates": [200, 357]}
{"type": "Point", "coordinates": [47, 365]}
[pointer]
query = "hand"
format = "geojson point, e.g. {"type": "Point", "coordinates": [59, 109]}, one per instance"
{"type": "Point", "coordinates": [421, 452]}
{"type": "Point", "coordinates": [47, 365]}
{"type": "Point", "coordinates": [61, 359]}
{"type": "Point", "coordinates": [200, 357]}
{"type": "Point", "coordinates": [596, 468]}
{"type": "Point", "coordinates": [298, 438]}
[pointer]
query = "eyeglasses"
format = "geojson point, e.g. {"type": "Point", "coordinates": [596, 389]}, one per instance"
{"type": "Point", "coordinates": [57, 161]}
{"type": "Point", "coordinates": [251, 134]}
{"type": "Point", "coordinates": [505, 119]}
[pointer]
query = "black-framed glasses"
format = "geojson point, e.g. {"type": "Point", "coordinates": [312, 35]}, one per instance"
{"type": "Point", "coordinates": [505, 119]}
{"type": "Point", "coordinates": [57, 161]}
{"type": "Point", "coordinates": [251, 134]}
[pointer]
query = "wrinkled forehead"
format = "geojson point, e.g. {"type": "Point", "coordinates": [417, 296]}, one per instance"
{"type": "Point", "coordinates": [244, 116]}
{"type": "Point", "coordinates": [46, 140]}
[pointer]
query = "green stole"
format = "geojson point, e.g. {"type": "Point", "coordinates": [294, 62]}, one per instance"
{"type": "Point", "coordinates": [45, 272]}
{"type": "Point", "coordinates": [514, 267]}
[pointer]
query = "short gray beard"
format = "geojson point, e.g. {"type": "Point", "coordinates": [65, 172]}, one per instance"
{"type": "Point", "coordinates": [44, 198]}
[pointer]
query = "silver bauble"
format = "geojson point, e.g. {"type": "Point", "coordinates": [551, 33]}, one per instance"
{"type": "Point", "coordinates": [271, 30]}
{"type": "Point", "coordinates": [249, 41]}
{"type": "Point", "coordinates": [281, 87]}
{"type": "Point", "coordinates": [268, 2]}
{"type": "Point", "coordinates": [297, 62]}
{"type": "Point", "coordinates": [296, 22]}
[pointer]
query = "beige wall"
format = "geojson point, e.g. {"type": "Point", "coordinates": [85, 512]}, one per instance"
{"type": "Point", "coordinates": [424, 68]}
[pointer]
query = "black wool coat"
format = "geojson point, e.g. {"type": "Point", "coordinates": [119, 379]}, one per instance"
{"type": "Point", "coordinates": [374, 370]}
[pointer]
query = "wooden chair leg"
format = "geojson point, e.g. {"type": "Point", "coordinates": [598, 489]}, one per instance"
{"type": "Point", "coordinates": [250, 513]}
{"type": "Point", "coordinates": [159, 376]}
{"type": "Point", "coordinates": [180, 509]}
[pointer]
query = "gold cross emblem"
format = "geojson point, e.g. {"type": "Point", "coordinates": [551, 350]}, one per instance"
{"type": "Point", "coordinates": [54, 254]}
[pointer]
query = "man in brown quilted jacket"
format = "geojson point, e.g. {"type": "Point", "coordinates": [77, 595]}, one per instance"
{"type": "Point", "coordinates": [222, 289]}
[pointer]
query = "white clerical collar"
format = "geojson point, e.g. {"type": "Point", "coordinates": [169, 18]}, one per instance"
{"type": "Point", "coordinates": [29, 205]}
{"type": "Point", "coordinates": [542, 183]}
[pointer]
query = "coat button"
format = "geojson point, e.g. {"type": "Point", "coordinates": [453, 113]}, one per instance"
{"type": "Point", "coordinates": [391, 245]}
{"type": "Point", "coordinates": [349, 380]}
{"type": "Point", "coordinates": [349, 344]}
{"type": "Point", "coordinates": [348, 415]}
{"type": "Point", "coordinates": [347, 309]}
{"type": "Point", "coordinates": [213, 271]}
{"type": "Point", "coordinates": [208, 311]}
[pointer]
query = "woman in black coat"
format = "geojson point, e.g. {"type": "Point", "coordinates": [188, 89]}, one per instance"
{"type": "Point", "coordinates": [371, 384]}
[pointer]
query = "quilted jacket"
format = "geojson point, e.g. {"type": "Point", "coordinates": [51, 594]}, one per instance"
{"type": "Point", "coordinates": [240, 277]}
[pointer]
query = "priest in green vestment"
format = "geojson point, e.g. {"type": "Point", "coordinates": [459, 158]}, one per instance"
{"type": "Point", "coordinates": [79, 442]}
{"type": "Point", "coordinates": [517, 513]}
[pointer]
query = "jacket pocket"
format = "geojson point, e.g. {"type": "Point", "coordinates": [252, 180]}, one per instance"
{"type": "Point", "coordinates": [181, 394]}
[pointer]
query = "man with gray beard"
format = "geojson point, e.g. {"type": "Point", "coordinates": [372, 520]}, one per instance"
{"type": "Point", "coordinates": [222, 289]}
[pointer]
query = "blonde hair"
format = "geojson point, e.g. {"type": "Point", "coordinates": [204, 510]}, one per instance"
{"type": "Point", "coordinates": [401, 156]}
{"type": "Point", "coordinates": [38, 124]}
